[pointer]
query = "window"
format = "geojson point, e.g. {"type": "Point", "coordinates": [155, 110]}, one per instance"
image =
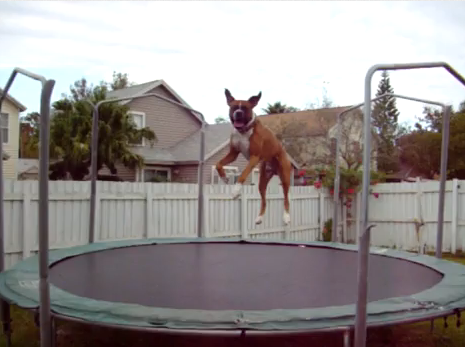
{"type": "Point", "coordinates": [4, 126]}
{"type": "Point", "coordinates": [232, 173]}
{"type": "Point", "coordinates": [139, 120]}
{"type": "Point", "coordinates": [156, 174]}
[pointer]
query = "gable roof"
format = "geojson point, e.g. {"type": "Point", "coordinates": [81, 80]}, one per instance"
{"type": "Point", "coordinates": [15, 102]}
{"type": "Point", "coordinates": [141, 89]}
{"type": "Point", "coordinates": [216, 138]}
{"type": "Point", "coordinates": [317, 122]}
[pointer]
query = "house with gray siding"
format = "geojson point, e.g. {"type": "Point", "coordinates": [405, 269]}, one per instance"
{"type": "Point", "coordinates": [175, 155]}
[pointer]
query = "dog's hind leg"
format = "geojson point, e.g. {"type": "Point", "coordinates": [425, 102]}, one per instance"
{"type": "Point", "coordinates": [264, 179]}
{"type": "Point", "coordinates": [284, 172]}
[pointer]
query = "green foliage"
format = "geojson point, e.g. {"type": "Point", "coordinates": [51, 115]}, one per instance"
{"type": "Point", "coordinates": [350, 180]}
{"type": "Point", "coordinates": [71, 133]}
{"type": "Point", "coordinates": [279, 107]}
{"type": "Point", "coordinates": [219, 120]}
{"type": "Point", "coordinates": [328, 230]}
{"type": "Point", "coordinates": [385, 117]}
{"type": "Point", "coordinates": [421, 148]}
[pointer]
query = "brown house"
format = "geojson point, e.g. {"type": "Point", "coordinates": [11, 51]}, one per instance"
{"type": "Point", "coordinates": [174, 157]}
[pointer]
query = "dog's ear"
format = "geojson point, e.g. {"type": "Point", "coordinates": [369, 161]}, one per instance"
{"type": "Point", "coordinates": [255, 99]}
{"type": "Point", "coordinates": [229, 97]}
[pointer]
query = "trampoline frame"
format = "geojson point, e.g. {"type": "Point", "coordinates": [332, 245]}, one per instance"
{"type": "Point", "coordinates": [46, 322]}
{"type": "Point", "coordinates": [446, 109]}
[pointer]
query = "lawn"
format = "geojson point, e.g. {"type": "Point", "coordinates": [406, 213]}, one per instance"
{"type": "Point", "coordinates": [25, 334]}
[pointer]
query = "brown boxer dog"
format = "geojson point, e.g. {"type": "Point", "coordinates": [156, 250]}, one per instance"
{"type": "Point", "coordinates": [257, 144]}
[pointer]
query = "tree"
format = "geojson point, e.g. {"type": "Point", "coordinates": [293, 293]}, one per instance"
{"type": "Point", "coordinates": [120, 81]}
{"type": "Point", "coordinates": [420, 149]}
{"type": "Point", "coordinates": [279, 107]}
{"type": "Point", "coordinates": [326, 102]}
{"type": "Point", "coordinates": [27, 126]}
{"type": "Point", "coordinates": [385, 118]}
{"type": "Point", "coordinates": [71, 133]}
{"type": "Point", "coordinates": [220, 119]}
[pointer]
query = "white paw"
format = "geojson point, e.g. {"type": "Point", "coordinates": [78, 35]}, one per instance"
{"type": "Point", "coordinates": [236, 190]}
{"type": "Point", "coordinates": [286, 218]}
{"type": "Point", "coordinates": [259, 220]}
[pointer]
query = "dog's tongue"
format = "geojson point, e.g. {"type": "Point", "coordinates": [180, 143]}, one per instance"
{"type": "Point", "coordinates": [238, 123]}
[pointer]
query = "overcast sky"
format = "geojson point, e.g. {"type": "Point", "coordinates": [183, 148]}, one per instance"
{"type": "Point", "coordinates": [288, 50]}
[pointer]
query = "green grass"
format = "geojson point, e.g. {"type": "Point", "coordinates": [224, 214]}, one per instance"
{"type": "Point", "coordinates": [25, 334]}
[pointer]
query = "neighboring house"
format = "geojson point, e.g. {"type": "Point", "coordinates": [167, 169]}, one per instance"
{"type": "Point", "coordinates": [310, 135]}
{"type": "Point", "coordinates": [175, 155]}
{"type": "Point", "coordinates": [28, 169]}
{"type": "Point", "coordinates": [9, 125]}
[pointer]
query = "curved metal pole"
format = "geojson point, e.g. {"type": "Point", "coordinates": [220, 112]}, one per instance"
{"type": "Point", "coordinates": [364, 244]}
{"type": "Point", "coordinates": [93, 190]}
{"type": "Point", "coordinates": [45, 317]}
{"type": "Point", "coordinates": [337, 175]}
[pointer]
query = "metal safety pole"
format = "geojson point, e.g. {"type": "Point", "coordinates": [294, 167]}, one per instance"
{"type": "Point", "coordinates": [45, 98]}
{"type": "Point", "coordinates": [338, 140]}
{"type": "Point", "coordinates": [363, 250]}
{"type": "Point", "coordinates": [200, 207]}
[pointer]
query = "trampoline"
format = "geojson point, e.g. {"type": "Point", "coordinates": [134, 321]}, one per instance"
{"type": "Point", "coordinates": [224, 286]}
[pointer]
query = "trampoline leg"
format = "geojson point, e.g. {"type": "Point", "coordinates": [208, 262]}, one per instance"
{"type": "Point", "coordinates": [52, 327]}
{"type": "Point", "coordinates": [431, 328]}
{"type": "Point", "coordinates": [347, 338]}
{"type": "Point", "coordinates": [6, 322]}
{"type": "Point", "coordinates": [54, 332]}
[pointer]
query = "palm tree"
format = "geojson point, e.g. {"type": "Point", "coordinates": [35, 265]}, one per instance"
{"type": "Point", "coordinates": [279, 107]}
{"type": "Point", "coordinates": [71, 134]}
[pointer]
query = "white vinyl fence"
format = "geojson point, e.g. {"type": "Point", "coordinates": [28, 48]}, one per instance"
{"type": "Point", "coordinates": [127, 210]}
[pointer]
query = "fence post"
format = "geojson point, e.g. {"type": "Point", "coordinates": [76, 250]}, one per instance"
{"type": "Point", "coordinates": [344, 221]}
{"type": "Point", "coordinates": [206, 211]}
{"type": "Point", "coordinates": [357, 217]}
{"type": "Point", "coordinates": [418, 219]}
{"type": "Point", "coordinates": [26, 219]}
{"type": "Point", "coordinates": [244, 233]}
{"type": "Point", "coordinates": [322, 215]}
{"type": "Point", "coordinates": [455, 208]}
{"type": "Point", "coordinates": [97, 211]}
{"type": "Point", "coordinates": [149, 210]}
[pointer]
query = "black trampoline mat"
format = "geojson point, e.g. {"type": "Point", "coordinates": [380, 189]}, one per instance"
{"type": "Point", "coordinates": [234, 276]}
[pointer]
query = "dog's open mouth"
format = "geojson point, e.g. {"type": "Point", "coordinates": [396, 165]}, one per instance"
{"type": "Point", "coordinates": [238, 124]}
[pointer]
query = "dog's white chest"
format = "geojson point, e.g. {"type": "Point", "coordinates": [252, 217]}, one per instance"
{"type": "Point", "coordinates": [242, 142]}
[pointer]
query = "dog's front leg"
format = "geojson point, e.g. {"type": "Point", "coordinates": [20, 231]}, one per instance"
{"type": "Point", "coordinates": [253, 161]}
{"type": "Point", "coordinates": [229, 158]}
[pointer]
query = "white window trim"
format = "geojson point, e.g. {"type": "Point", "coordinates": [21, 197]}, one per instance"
{"type": "Point", "coordinates": [158, 168]}
{"type": "Point", "coordinates": [214, 174]}
{"type": "Point", "coordinates": [8, 127]}
{"type": "Point", "coordinates": [138, 113]}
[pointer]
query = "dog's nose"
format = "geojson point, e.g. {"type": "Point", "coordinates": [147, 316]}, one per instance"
{"type": "Point", "coordinates": [238, 114]}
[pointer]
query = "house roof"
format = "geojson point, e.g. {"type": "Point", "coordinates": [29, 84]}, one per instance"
{"type": "Point", "coordinates": [217, 135]}
{"type": "Point", "coordinates": [19, 105]}
{"type": "Point", "coordinates": [216, 138]}
{"type": "Point", "coordinates": [140, 89]}
{"type": "Point", "coordinates": [28, 165]}
{"type": "Point", "coordinates": [317, 121]}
